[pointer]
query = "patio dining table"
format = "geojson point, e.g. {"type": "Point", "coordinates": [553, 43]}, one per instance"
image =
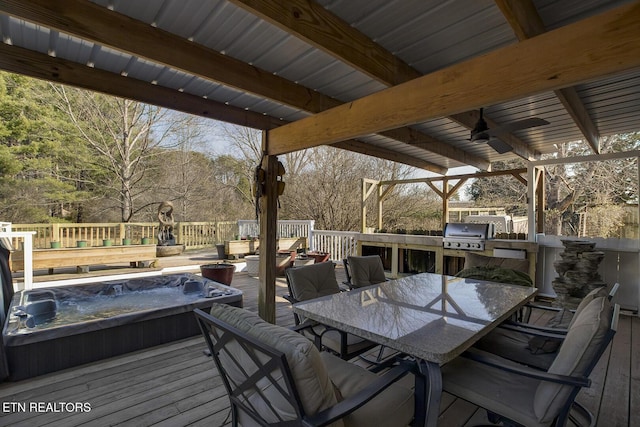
{"type": "Point", "coordinates": [430, 317]}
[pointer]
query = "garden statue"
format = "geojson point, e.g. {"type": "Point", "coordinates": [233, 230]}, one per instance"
{"type": "Point", "coordinates": [166, 239]}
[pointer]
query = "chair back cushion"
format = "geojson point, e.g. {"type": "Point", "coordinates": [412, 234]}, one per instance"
{"type": "Point", "coordinates": [312, 281]}
{"type": "Point", "coordinates": [600, 291]}
{"type": "Point", "coordinates": [310, 376]}
{"type": "Point", "coordinates": [582, 344]}
{"type": "Point", "coordinates": [366, 270]}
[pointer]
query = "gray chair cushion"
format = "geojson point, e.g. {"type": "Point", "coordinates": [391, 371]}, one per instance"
{"type": "Point", "coordinates": [598, 292]}
{"type": "Point", "coordinates": [583, 340]}
{"type": "Point", "coordinates": [545, 345]}
{"type": "Point", "coordinates": [366, 270]}
{"type": "Point", "coordinates": [492, 388]}
{"type": "Point", "coordinates": [313, 281]}
{"type": "Point", "coordinates": [308, 370]}
{"type": "Point", "coordinates": [525, 400]}
{"type": "Point", "coordinates": [332, 340]}
{"type": "Point", "coordinates": [392, 407]}
{"type": "Point", "coordinates": [515, 345]}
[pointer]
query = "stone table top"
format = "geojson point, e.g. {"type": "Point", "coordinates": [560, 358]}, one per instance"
{"type": "Point", "coordinates": [429, 316]}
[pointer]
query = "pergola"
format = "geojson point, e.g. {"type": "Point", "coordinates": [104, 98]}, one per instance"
{"type": "Point", "coordinates": [401, 80]}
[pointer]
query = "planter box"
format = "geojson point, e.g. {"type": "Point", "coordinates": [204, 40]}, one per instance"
{"type": "Point", "coordinates": [82, 258]}
{"type": "Point", "coordinates": [235, 248]}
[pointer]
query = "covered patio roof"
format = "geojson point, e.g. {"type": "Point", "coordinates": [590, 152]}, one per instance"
{"type": "Point", "coordinates": [403, 80]}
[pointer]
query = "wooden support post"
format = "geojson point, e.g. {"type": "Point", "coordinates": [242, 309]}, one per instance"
{"type": "Point", "coordinates": [445, 202]}
{"type": "Point", "coordinates": [380, 200]}
{"type": "Point", "coordinates": [541, 193]}
{"type": "Point", "coordinates": [268, 244]}
{"type": "Point", "coordinates": [368, 186]}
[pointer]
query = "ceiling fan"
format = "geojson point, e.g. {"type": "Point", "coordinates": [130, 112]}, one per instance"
{"type": "Point", "coordinates": [483, 135]}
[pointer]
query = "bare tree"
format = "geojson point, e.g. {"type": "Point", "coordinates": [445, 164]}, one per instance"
{"type": "Point", "coordinates": [123, 135]}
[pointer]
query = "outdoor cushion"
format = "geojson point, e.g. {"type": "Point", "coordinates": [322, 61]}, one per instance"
{"type": "Point", "coordinates": [493, 388]}
{"type": "Point", "coordinates": [366, 270]}
{"type": "Point", "coordinates": [580, 345]}
{"type": "Point", "coordinates": [563, 319]}
{"type": "Point", "coordinates": [308, 370]}
{"type": "Point", "coordinates": [313, 281]}
{"type": "Point", "coordinates": [392, 407]}
{"type": "Point", "coordinates": [538, 344]}
{"type": "Point", "coordinates": [332, 340]}
{"type": "Point", "coordinates": [515, 346]}
{"type": "Point", "coordinates": [598, 292]}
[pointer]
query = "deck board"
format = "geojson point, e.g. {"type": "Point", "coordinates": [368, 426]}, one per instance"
{"type": "Point", "coordinates": [177, 385]}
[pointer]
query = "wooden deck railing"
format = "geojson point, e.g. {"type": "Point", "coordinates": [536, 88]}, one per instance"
{"type": "Point", "coordinates": [192, 234]}
{"type": "Point", "coordinates": [621, 263]}
{"type": "Point", "coordinates": [339, 244]}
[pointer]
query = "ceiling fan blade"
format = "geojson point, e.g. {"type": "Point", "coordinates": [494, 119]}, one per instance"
{"type": "Point", "coordinates": [520, 124]}
{"type": "Point", "coordinates": [500, 146]}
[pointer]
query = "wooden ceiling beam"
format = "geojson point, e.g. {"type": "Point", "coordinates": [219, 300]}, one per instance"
{"type": "Point", "coordinates": [383, 153]}
{"type": "Point", "coordinates": [314, 24]}
{"type": "Point", "coordinates": [38, 65]}
{"type": "Point", "coordinates": [309, 21]}
{"type": "Point", "coordinates": [89, 21]}
{"type": "Point", "coordinates": [92, 22]}
{"type": "Point", "coordinates": [319, 27]}
{"type": "Point", "coordinates": [594, 47]}
{"type": "Point", "coordinates": [525, 21]}
{"type": "Point", "coordinates": [422, 140]}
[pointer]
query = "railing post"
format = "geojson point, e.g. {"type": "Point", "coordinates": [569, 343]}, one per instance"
{"type": "Point", "coordinates": [55, 233]}
{"type": "Point", "coordinates": [178, 233]}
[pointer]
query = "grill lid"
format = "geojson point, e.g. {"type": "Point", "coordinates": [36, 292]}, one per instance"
{"type": "Point", "coordinates": [472, 231]}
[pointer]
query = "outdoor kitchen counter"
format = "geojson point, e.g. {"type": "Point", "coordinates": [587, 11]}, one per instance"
{"type": "Point", "coordinates": [397, 242]}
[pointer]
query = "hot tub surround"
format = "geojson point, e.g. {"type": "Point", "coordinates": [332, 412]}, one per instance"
{"type": "Point", "coordinates": [35, 344]}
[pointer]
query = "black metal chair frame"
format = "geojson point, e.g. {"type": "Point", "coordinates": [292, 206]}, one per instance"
{"type": "Point", "coordinates": [533, 329]}
{"type": "Point", "coordinates": [274, 368]}
{"type": "Point", "coordinates": [347, 272]}
{"type": "Point", "coordinates": [309, 325]}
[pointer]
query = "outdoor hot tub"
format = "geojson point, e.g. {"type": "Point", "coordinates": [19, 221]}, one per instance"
{"type": "Point", "coordinates": [49, 329]}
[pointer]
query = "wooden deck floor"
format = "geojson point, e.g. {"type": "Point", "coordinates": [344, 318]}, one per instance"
{"type": "Point", "coordinates": [176, 385]}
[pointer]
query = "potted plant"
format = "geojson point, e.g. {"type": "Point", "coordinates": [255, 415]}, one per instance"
{"type": "Point", "coordinates": [106, 242]}
{"type": "Point", "coordinates": [55, 244]}
{"type": "Point", "coordinates": [221, 272]}
{"type": "Point", "coordinates": [81, 243]}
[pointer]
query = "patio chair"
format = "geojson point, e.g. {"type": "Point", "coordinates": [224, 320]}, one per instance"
{"type": "Point", "coordinates": [537, 345]}
{"type": "Point", "coordinates": [365, 270]}
{"type": "Point", "coordinates": [276, 377]}
{"type": "Point", "coordinates": [519, 395]}
{"type": "Point", "coordinates": [313, 281]}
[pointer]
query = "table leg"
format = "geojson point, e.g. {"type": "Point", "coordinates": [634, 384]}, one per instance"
{"type": "Point", "coordinates": [428, 392]}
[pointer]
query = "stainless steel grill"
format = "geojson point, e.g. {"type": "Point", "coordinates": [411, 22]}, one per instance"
{"type": "Point", "coordinates": [466, 236]}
